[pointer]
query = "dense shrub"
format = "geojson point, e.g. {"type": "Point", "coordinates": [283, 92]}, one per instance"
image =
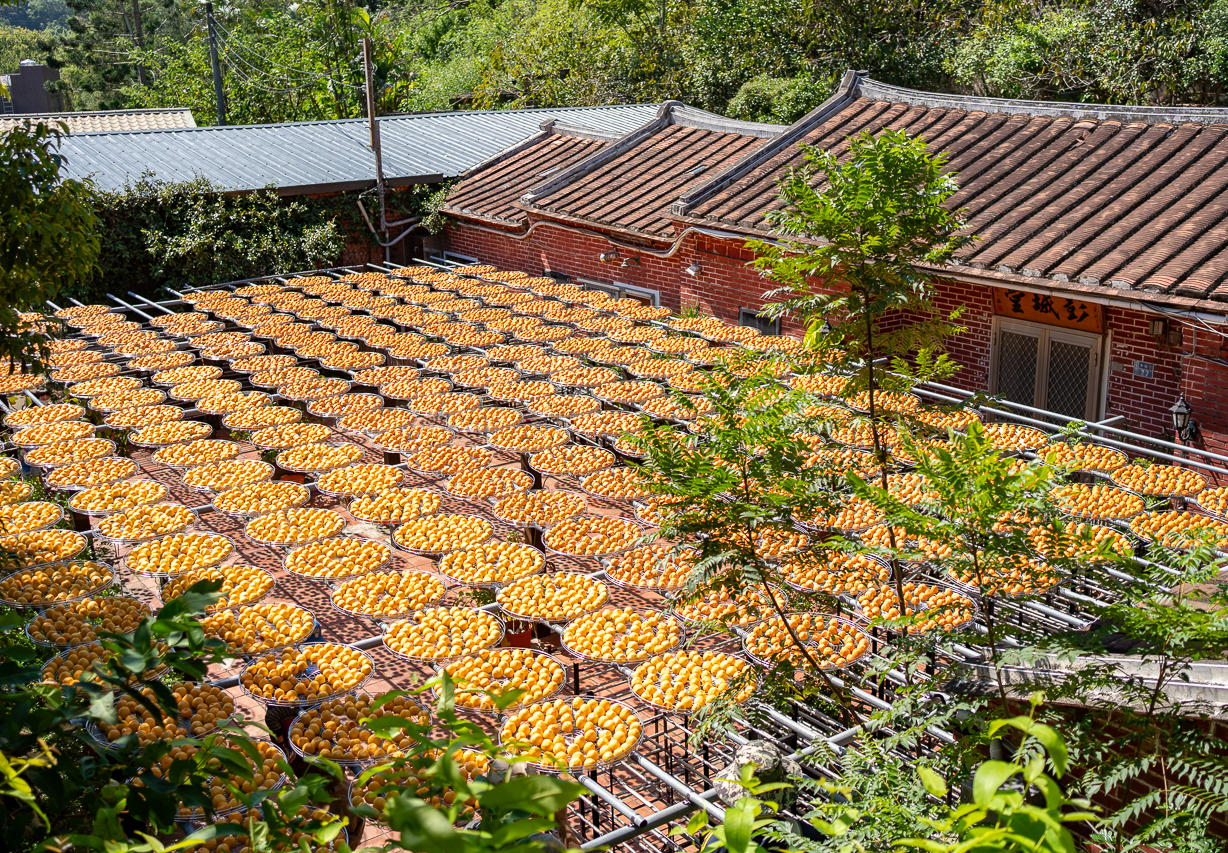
{"type": "Point", "coordinates": [778, 99]}
{"type": "Point", "coordinates": [158, 234]}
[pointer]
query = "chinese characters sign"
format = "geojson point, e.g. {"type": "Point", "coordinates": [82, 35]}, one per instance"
{"type": "Point", "coordinates": [1054, 310]}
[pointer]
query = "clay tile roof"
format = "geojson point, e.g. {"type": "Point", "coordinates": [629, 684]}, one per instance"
{"type": "Point", "coordinates": [630, 185]}
{"type": "Point", "coordinates": [1130, 198]}
{"type": "Point", "coordinates": [489, 191]}
{"type": "Point", "coordinates": [107, 120]}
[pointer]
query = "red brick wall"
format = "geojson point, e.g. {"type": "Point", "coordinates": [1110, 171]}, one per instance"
{"type": "Point", "coordinates": [1143, 402]}
{"type": "Point", "coordinates": [971, 348]}
{"type": "Point", "coordinates": [725, 284]}
{"type": "Point", "coordinates": [1205, 383]}
{"type": "Point", "coordinates": [1191, 368]}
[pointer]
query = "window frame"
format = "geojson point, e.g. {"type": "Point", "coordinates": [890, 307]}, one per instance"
{"type": "Point", "coordinates": [1045, 334]}
{"type": "Point", "coordinates": [750, 317]}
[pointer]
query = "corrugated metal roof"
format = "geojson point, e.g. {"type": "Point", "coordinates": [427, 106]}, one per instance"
{"type": "Point", "coordinates": [324, 156]}
{"type": "Point", "coordinates": [107, 120]}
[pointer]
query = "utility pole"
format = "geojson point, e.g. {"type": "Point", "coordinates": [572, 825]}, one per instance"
{"type": "Point", "coordinates": [368, 71]}
{"type": "Point", "coordinates": [219, 94]}
{"type": "Point", "coordinates": [138, 35]}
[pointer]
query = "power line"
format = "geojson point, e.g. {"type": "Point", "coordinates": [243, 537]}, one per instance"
{"type": "Point", "coordinates": [240, 49]}
{"type": "Point", "coordinates": [249, 80]}
{"type": "Point", "coordinates": [251, 76]}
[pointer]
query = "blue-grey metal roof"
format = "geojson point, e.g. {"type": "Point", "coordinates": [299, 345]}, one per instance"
{"type": "Point", "coordinates": [324, 156]}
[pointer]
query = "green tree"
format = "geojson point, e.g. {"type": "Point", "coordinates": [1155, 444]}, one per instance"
{"type": "Point", "coordinates": [898, 42]}
{"type": "Point", "coordinates": [779, 99]}
{"type": "Point", "coordinates": [731, 44]}
{"type": "Point", "coordinates": [16, 44]}
{"type": "Point", "coordinates": [97, 49]}
{"type": "Point", "coordinates": [49, 241]}
{"type": "Point", "coordinates": [861, 234]}
{"type": "Point", "coordinates": [1125, 52]}
{"type": "Point", "coordinates": [34, 14]}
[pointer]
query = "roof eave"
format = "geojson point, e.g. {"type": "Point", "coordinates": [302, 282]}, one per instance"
{"type": "Point", "coordinates": [466, 215]}
{"type": "Point", "coordinates": [1146, 299]}
{"type": "Point", "coordinates": [601, 230]}
{"type": "Point", "coordinates": [344, 186]}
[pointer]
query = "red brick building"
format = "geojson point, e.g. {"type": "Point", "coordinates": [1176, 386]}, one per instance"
{"type": "Point", "coordinates": [1098, 285]}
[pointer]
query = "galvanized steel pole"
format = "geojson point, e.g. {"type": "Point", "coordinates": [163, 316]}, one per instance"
{"type": "Point", "coordinates": [368, 71]}
{"type": "Point", "coordinates": [219, 94]}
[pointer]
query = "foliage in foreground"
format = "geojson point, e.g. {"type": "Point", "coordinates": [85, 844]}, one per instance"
{"type": "Point", "coordinates": [61, 787]}
{"type": "Point", "coordinates": [864, 233]}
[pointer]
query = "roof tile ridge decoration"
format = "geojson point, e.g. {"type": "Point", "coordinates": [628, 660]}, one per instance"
{"type": "Point", "coordinates": [845, 93]}
{"type": "Point", "coordinates": [384, 118]}
{"type": "Point", "coordinates": [1052, 109]}
{"type": "Point", "coordinates": [689, 116]}
{"type": "Point", "coordinates": [662, 119]}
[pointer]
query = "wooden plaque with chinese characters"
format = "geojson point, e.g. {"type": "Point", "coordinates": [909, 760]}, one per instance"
{"type": "Point", "coordinates": [1054, 310]}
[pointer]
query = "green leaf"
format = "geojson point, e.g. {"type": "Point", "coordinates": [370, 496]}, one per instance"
{"type": "Point", "coordinates": [536, 794]}
{"type": "Point", "coordinates": [698, 821]}
{"type": "Point", "coordinates": [507, 698]}
{"type": "Point", "coordinates": [990, 777]}
{"type": "Point", "coordinates": [390, 724]}
{"type": "Point", "coordinates": [739, 825]}
{"type": "Point", "coordinates": [931, 781]}
{"type": "Point", "coordinates": [447, 694]}
{"type": "Point", "coordinates": [520, 829]}
{"type": "Point", "coordinates": [1053, 744]}
{"type": "Point", "coordinates": [422, 827]}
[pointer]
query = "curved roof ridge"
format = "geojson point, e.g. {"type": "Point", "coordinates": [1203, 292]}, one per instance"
{"type": "Point", "coordinates": [583, 131]}
{"type": "Point", "coordinates": [870, 88]}
{"type": "Point", "coordinates": [689, 116]}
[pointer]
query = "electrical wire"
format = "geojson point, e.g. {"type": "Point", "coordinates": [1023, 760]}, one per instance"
{"type": "Point", "coordinates": [248, 80]}
{"type": "Point", "coordinates": [232, 53]}
{"type": "Point", "coordinates": [1188, 315]}
{"type": "Point", "coordinates": [251, 53]}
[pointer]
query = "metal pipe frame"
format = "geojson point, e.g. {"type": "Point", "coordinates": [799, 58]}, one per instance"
{"type": "Point", "coordinates": [808, 728]}
{"type": "Point", "coordinates": [1131, 442]}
